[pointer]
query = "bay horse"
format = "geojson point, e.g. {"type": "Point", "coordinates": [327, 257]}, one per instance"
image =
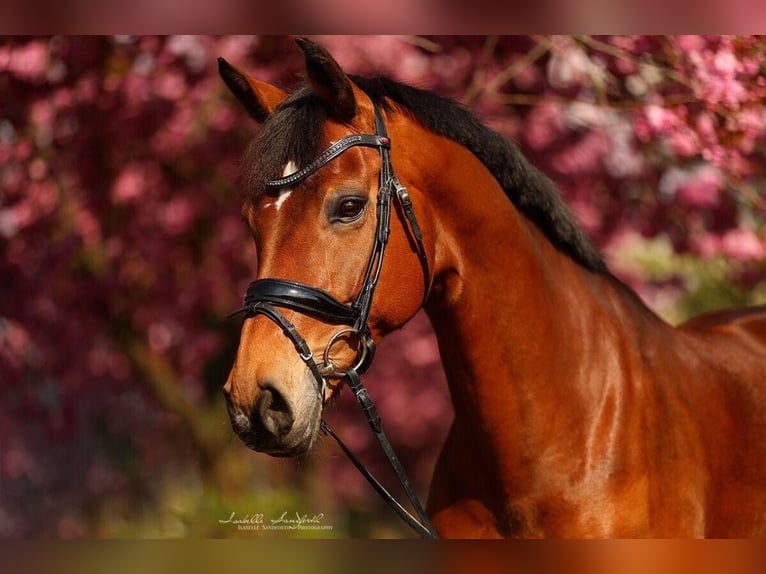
{"type": "Point", "coordinates": [578, 412]}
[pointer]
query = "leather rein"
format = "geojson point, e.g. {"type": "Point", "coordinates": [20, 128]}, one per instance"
{"type": "Point", "coordinates": [266, 296]}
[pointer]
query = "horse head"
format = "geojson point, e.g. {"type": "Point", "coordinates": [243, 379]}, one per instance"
{"type": "Point", "coordinates": [320, 221]}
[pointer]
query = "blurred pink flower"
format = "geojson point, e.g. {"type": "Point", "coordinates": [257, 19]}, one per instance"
{"type": "Point", "coordinates": [569, 65]}
{"type": "Point", "coordinates": [683, 142]}
{"type": "Point", "coordinates": [586, 155]}
{"type": "Point", "coordinates": [88, 227]}
{"type": "Point", "coordinates": [15, 342]}
{"type": "Point", "coordinates": [193, 50]}
{"type": "Point", "coordinates": [42, 113]}
{"type": "Point", "coordinates": [29, 61]}
{"type": "Point", "coordinates": [544, 124]}
{"type": "Point", "coordinates": [699, 187]}
{"type": "Point", "coordinates": [170, 85]}
{"type": "Point", "coordinates": [706, 244]}
{"type": "Point", "coordinates": [223, 118]}
{"type": "Point", "coordinates": [178, 215]}
{"type": "Point", "coordinates": [726, 62]}
{"type": "Point", "coordinates": [236, 48]}
{"type": "Point", "coordinates": [706, 128]}
{"type": "Point", "coordinates": [129, 184]}
{"type": "Point", "coordinates": [660, 119]}
{"type": "Point", "coordinates": [743, 245]}
{"type": "Point", "coordinates": [160, 337]}
{"type": "Point", "coordinates": [690, 44]}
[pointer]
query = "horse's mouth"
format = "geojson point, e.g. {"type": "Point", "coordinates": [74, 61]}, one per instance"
{"type": "Point", "coordinates": [291, 445]}
{"type": "Point", "coordinates": [280, 451]}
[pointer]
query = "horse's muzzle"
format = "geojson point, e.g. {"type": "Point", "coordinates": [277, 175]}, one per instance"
{"type": "Point", "coordinates": [271, 426]}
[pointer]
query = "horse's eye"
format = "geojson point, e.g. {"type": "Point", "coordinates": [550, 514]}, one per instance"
{"type": "Point", "coordinates": [350, 209]}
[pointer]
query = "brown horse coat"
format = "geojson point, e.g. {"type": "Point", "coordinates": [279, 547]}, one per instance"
{"type": "Point", "coordinates": [578, 412]}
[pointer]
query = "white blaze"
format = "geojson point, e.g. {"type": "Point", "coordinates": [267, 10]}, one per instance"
{"type": "Point", "coordinates": [281, 199]}
{"type": "Point", "coordinates": [290, 167]}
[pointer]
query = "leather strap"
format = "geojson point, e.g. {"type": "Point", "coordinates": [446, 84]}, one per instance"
{"type": "Point", "coordinates": [327, 155]}
{"type": "Point", "coordinates": [423, 527]}
{"type": "Point", "coordinates": [365, 401]}
{"type": "Point", "coordinates": [422, 530]}
{"type": "Point", "coordinates": [302, 298]}
{"type": "Point", "coordinates": [289, 330]}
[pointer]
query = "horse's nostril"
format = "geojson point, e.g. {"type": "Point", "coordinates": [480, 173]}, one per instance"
{"type": "Point", "coordinates": [272, 412]}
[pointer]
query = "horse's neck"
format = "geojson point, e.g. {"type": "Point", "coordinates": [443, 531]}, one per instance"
{"type": "Point", "coordinates": [524, 331]}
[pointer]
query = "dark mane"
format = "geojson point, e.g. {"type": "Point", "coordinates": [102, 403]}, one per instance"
{"type": "Point", "coordinates": [531, 192]}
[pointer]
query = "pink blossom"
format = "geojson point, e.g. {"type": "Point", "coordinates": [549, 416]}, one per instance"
{"type": "Point", "coordinates": [88, 227]}
{"type": "Point", "coordinates": [41, 113]}
{"type": "Point", "coordinates": [17, 462]}
{"type": "Point", "coordinates": [178, 215]}
{"type": "Point", "coordinates": [586, 155]}
{"type": "Point", "coordinates": [691, 44]}
{"type": "Point", "coordinates": [193, 49]}
{"type": "Point", "coordinates": [660, 119]}
{"type": "Point", "coordinates": [15, 342]}
{"type": "Point", "coordinates": [683, 142]}
{"type": "Point", "coordinates": [743, 245]}
{"type": "Point", "coordinates": [170, 85]}
{"type": "Point", "coordinates": [627, 43]}
{"type": "Point", "coordinates": [528, 78]}
{"type": "Point", "coordinates": [626, 66]}
{"type": "Point", "coordinates": [717, 81]}
{"type": "Point", "coordinates": [706, 128]}
{"type": "Point", "coordinates": [129, 185]}
{"type": "Point", "coordinates": [726, 62]}
{"type": "Point", "coordinates": [750, 66]}
{"type": "Point", "coordinates": [63, 97]}
{"type": "Point", "coordinates": [702, 188]}
{"type": "Point", "coordinates": [569, 65]}
{"type": "Point", "coordinates": [707, 245]}
{"type": "Point", "coordinates": [137, 178]}
{"type": "Point", "coordinates": [424, 351]}
{"type": "Point", "coordinates": [29, 61]}
{"type": "Point", "coordinates": [236, 48]}
{"type": "Point", "coordinates": [223, 118]}
{"type": "Point", "coordinates": [641, 128]}
{"type": "Point", "coordinates": [174, 135]}
{"type": "Point", "coordinates": [545, 124]}
{"type": "Point", "coordinates": [715, 154]}
{"type": "Point", "coordinates": [160, 337]}
{"type": "Point", "coordinates": [98, 361]}
{"type": "Point", "coordinates": [588, 215]}
{"type": "Point", "coordinates": [622, 159]}
{"type": "Point", "coordinates": [86, 88]}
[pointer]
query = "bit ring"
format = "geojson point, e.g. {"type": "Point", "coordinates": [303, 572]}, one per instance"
{"type": "Point", "coordinates": [328, 368]}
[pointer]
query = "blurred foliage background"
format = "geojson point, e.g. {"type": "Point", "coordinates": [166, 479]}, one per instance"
{"type": "Point", "coordinates": [122, 251]}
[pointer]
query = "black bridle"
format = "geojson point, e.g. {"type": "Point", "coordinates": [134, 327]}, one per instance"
{"type": "Point", "coordinates": [265, 296]}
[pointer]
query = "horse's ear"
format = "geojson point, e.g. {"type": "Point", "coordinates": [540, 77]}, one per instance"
{"type": "Point", "coordinates": [259, 98]}
{"type": "Point", "coordinates": [328, 80]}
